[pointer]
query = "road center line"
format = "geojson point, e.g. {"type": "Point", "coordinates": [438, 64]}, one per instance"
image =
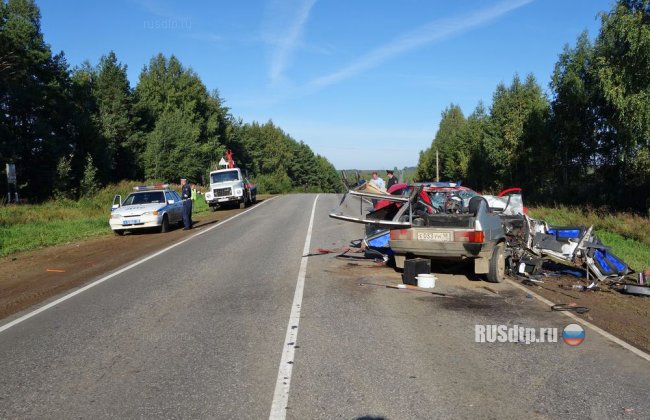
{"type": "Point", "coordinates": [283, 382]}
{"type": "Point", "coordinates": [117, 273]}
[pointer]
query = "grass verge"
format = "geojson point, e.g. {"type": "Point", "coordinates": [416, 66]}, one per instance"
{"type": "Point", "coordinates": [27, 227]}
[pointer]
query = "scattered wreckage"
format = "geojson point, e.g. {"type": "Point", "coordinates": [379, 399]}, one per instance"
{"type": "Point", "coordinates": [447, 221]}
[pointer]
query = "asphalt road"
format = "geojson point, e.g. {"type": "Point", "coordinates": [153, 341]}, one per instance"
{"type": "Point", "coordinates": [198, 332]}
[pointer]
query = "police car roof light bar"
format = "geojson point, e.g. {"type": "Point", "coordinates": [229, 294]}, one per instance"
{"type": "Point", "coordinates": [151, 187]}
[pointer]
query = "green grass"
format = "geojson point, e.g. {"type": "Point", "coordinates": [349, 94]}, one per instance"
{"type": "Point", "coordinates": [627, 234]}
{"type": "Point", "coordinates": [28, 227]}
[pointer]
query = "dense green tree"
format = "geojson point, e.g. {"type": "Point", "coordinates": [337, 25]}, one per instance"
{"type": "Point", "coordinates": [87, 136]}
{"type": "Point", "coordinates": [303, 167]}
{"type": "Point", "coordinates": [268, 146]}
{"type": "Point", "coordinates": [35, 93]}
{"type": "Point", "coordinates": [115, 119]}
{"type": "Point", "coordinates": [426, 168]}
{"type": "Point", "coordinates": [476, 132]}
{"type": "Point", "coordinates": [449, 142]}
{"type": "Point", "coordinates": [180, 121]}
{"type": "Point", "coordinates": [329, 178]}
{"type": "Point", "coordinates": [171, 151]}
{"type": "Point", "coordinates": [279, 163]}
{"type": "Point", "coordinates": [621, 68]}
{"type": "Point", "coordinates": [574, 113]}
{"type": "Point", "coordinates": [509, 146]}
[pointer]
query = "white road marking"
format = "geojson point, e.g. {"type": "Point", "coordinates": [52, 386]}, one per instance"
{"type": "Point", "coordinates": [117, 273]}
{"type": "Point", "coordinates": [594, 328]}
{"type": "Point", "coordinates": [283, 382]}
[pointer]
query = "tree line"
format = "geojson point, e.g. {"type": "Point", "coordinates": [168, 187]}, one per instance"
{"type": "Point", "coordinates": [586, 142]}
{"type": "Point", "coordinates": [69, 131]}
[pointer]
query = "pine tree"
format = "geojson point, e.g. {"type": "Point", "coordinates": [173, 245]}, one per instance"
{"type": "Point", "coordinates": [115, 119]}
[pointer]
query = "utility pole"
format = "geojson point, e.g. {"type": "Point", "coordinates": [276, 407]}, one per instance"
{"type": "Point", "coordinates": [437, 173]}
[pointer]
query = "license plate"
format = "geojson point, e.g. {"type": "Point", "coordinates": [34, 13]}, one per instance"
{"type": "Point", "coordinates": [434, 236]}
{"type": "Point", "coordinates": [223, 199]}
{"type": "Point", "coordinates": [130, 222]}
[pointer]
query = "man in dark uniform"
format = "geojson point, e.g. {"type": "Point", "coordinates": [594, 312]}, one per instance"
{"type": "Point", "coordinates": [186, 195]}
{"type": "Point", "coordinates": [392, 179]}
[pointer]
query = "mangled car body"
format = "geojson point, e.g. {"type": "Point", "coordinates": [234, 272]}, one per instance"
{"type": "Point", "coordinates": [441, 221]}
{"type": "Point", "coordinates": [531, 242]}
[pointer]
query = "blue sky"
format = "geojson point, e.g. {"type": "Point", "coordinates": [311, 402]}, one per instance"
{"type": "Point", "coordinates": [362, 82]}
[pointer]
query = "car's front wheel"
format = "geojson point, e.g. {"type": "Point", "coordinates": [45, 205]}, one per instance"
{"type": "Point", "coordinates": [164, 226]}
{"type": "Point", "coordinates": [119, 232]}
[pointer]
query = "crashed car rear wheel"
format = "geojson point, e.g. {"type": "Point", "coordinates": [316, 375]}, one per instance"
{"type": "Point", "coordinates": [497, 270]}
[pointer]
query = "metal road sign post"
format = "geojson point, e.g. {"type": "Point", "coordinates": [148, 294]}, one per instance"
{"type": "Point", "coordinates": [12, 183]}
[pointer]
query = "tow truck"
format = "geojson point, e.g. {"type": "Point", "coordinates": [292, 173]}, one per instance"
{"type": "Point", "coordinates": [229, 187]}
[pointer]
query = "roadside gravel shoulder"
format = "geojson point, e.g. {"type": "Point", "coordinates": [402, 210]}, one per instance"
{"type": "Point", "coordinates": [32, 277]}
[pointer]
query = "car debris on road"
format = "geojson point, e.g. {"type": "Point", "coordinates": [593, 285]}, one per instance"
{"type": "Point", "coordinates": [444, 220]}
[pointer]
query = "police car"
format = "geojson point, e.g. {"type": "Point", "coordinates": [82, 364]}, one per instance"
{"type": "Point", "coordinates": [152, 206]}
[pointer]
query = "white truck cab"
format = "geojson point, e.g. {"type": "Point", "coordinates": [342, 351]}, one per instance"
{"type": "Point", "coordinates": [228, 187]}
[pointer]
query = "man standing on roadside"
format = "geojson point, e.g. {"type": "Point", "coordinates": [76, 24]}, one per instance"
{"type": "Point", "coordinates": [186, 195]}
{"type": "Point", "coordinates": [392, 179]}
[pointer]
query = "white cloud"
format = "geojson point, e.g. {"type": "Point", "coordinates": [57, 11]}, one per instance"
{"type": "Point", "coordinates": [425, 35]}
{"type": "Point", "coordinates": [287, 42]}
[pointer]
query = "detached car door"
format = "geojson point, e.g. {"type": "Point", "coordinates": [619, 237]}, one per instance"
{"type": "Point", "coordinates": [394, 223]}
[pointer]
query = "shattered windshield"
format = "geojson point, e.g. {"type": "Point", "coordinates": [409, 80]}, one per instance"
{"type": "Point", "coordinates": [451, 200]}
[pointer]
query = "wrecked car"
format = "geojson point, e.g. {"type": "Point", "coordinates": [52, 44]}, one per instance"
{"type": "Point", "coordinates": [452, 230]}
{"type": "Point", "coordinates": [447, 221]}
{"type": "Point", "coordinates": [442, 221]}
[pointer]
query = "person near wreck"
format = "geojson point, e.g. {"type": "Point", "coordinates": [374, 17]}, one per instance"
{"type": "Point", "coordinates": [186, 195]}
{"type": "Point", "coordinates": [392, 179]}
{"type": "Point", "coordinates": [377, 181]}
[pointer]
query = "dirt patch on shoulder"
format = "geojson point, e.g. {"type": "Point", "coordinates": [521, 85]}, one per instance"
{"type": "Point", "coordinates": [31, 277]}
{"type": "Point", "coordinates": [624, 316]}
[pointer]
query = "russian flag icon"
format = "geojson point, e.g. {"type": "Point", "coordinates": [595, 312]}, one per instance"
{"type": "Point", "coordinates": [573, 334]}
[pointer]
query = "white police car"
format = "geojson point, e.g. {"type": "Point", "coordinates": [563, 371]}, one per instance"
{"type": "Point", "coordinates": [153, 206]}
